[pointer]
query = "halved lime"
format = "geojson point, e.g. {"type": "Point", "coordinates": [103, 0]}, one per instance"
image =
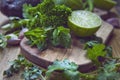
{"type": "Point", "coordinates": [84, 23]}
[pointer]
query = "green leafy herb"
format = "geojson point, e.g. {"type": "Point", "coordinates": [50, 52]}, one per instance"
{"type": "Point", "coordinates": [69, 71]}
{"type": "Point", "coordinates": [37, 37]}
{"type": "Point", "coordinates": [61, 65]}
{"type": "Point", "coordinates": [98, 50]}
{"type": "Point", "coordinates": [32, 73]}
{"type": "Point", "coordinates": [59, 15]}
{"type": "Point", "coordinates": [16, 66]}
{"type": "Point", "coordinates": [44, 8]}
{"type": "Point", "coordinates": [3, 41]}
{"type": "Point", "coordinates": [109, 72]}
{"type": "Point", "coordinates": [46, 14]}
{"type": "Point", "coordinates": [61, 37]}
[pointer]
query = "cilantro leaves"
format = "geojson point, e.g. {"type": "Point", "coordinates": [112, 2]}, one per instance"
{"type": "Point", "coordinates": [95, 52]}
{"type": "Point", "coordinates": [69, 69]}
{"type": "Point", "coordinates": [109, 72]}
{"type": "Point", "coordinates": [30, 71]}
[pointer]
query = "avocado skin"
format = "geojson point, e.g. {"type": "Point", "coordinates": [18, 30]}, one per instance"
{"type": "Point", "coordinates": [14, 7]}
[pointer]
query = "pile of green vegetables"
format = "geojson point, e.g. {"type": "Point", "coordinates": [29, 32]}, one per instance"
{"type": "Point", "coordinates": [46, 23]}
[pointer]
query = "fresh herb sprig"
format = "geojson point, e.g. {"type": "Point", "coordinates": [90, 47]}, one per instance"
{"type": "Point", "coordinates": [95, 52]}
{"type": "Point", "coordinates": [3, 41]}
{"type": "Point", "coordinates": [109, 71]}
{"type": "Point", "coordinates": [16, 66]}
{"type": "Point", "coordinates": [37, 37]}
{"type": "Point", "coordinates": [30, 71]}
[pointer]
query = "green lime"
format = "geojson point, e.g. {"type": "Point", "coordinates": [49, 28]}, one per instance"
{"type": "Point", "coordinates": [104, 4]}
{"type": "Point", "coordinates": [84, 23]}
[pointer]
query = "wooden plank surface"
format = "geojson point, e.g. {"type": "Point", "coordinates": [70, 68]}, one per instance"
{"type": "Point", "coordinates": [10, 53]}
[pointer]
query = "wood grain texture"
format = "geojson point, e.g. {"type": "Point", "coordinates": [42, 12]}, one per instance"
{"type": "Point", "coordinates": [114, 42]}
{"type": "Point", "coordinates": [75, 54]}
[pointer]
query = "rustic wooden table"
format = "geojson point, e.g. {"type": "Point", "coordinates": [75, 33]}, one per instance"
{"type": "Point", "coordinates": [10, 53]}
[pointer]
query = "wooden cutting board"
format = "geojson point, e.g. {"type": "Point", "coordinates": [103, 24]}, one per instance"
{"type": "Point", "coordinates": [75, 53]}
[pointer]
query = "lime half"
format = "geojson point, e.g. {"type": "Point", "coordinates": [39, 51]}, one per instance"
{"type": "Point", "coordinates": [84, 23]}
